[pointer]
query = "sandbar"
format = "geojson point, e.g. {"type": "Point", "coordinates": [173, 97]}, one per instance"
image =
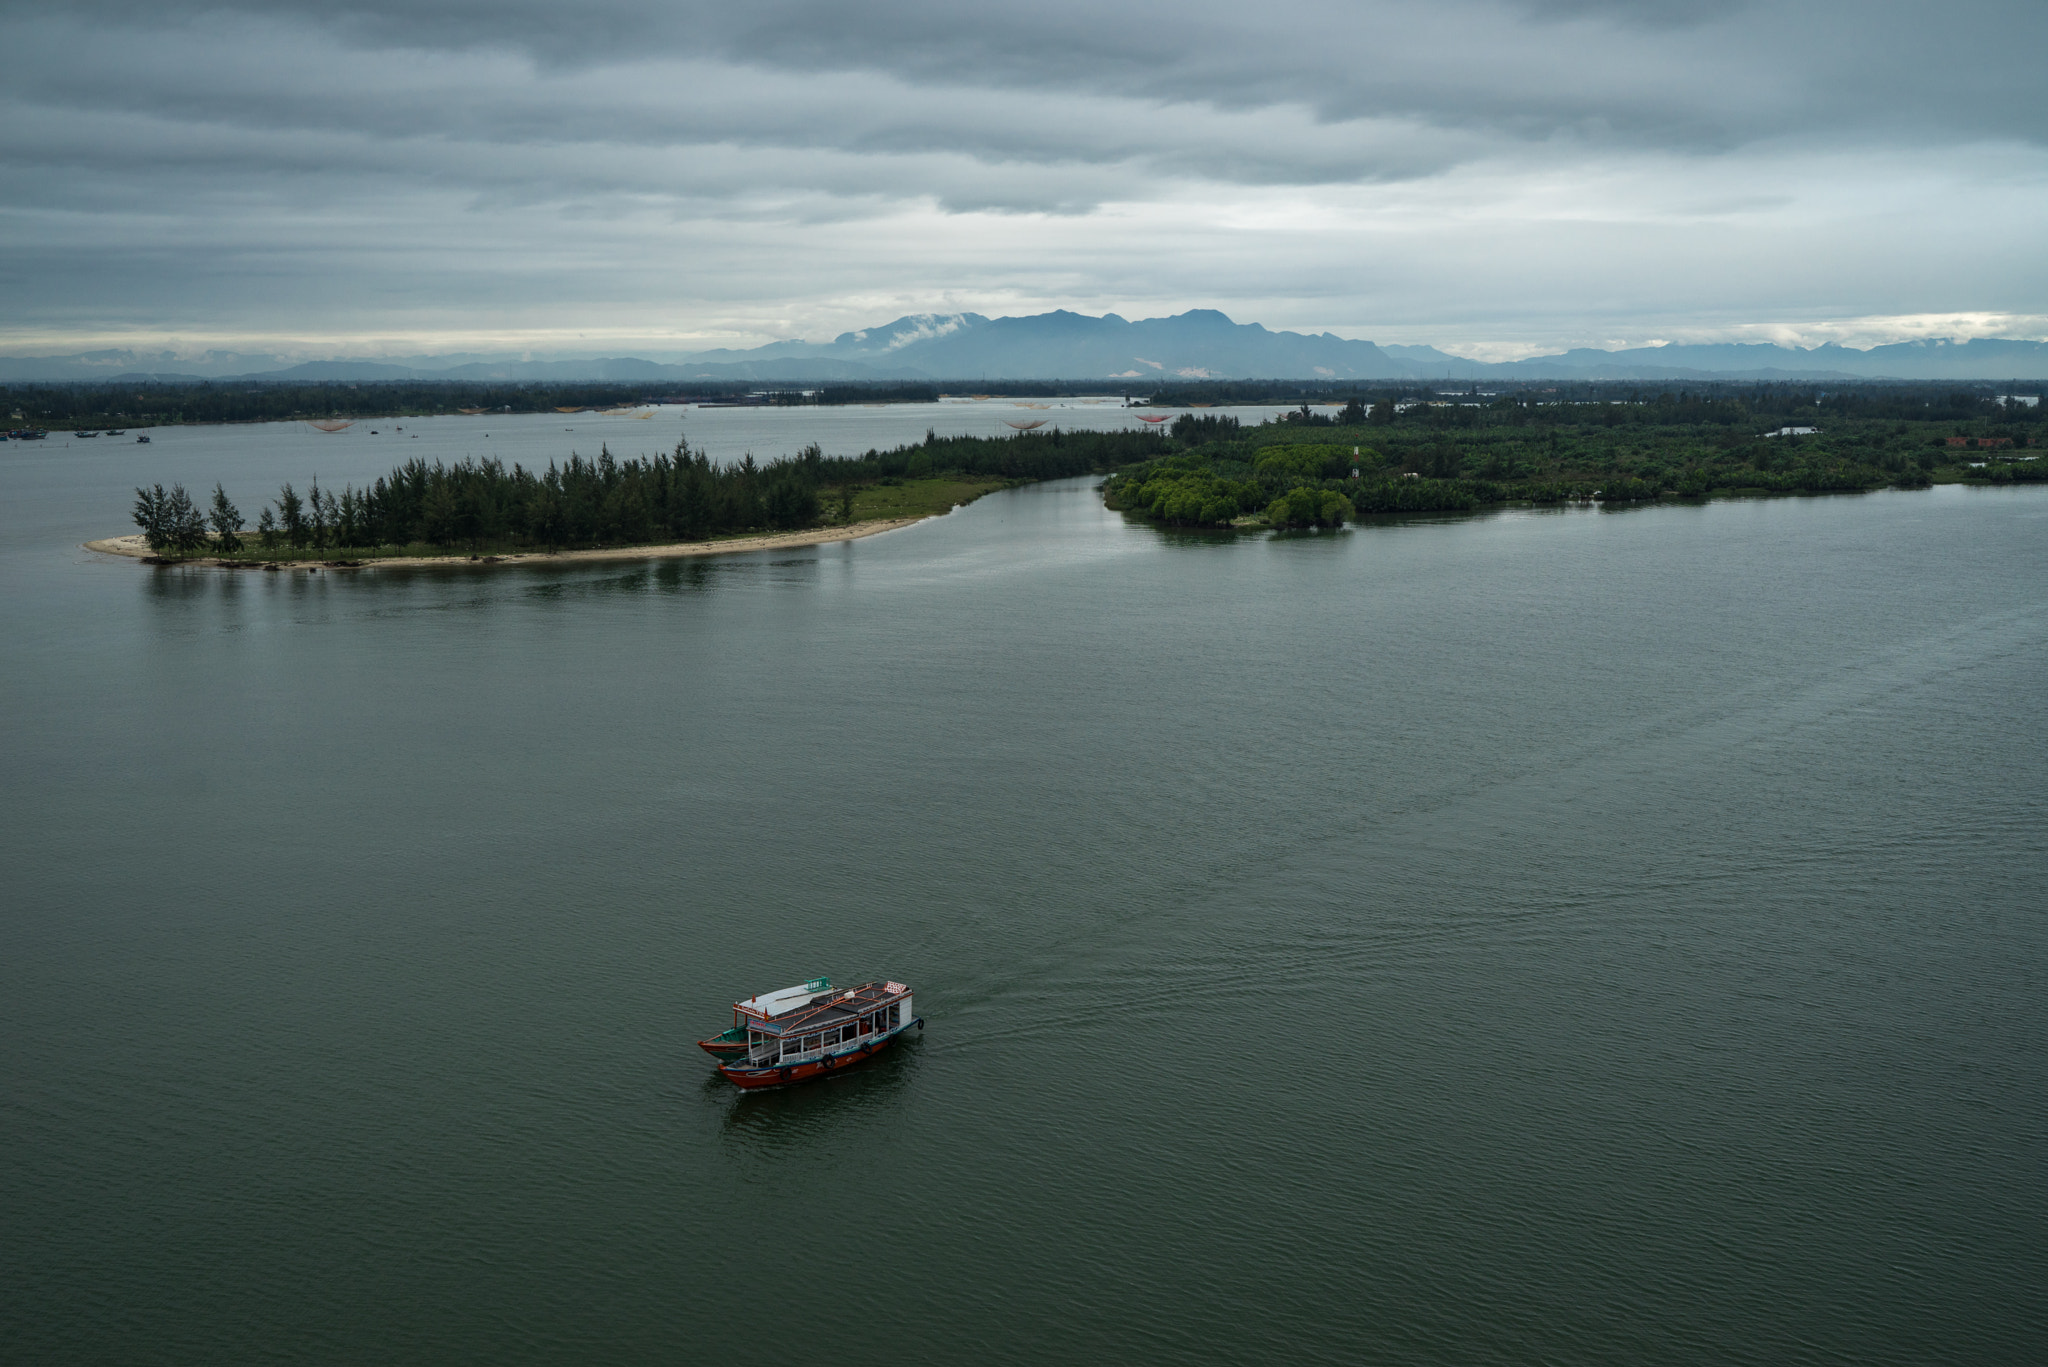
{"type": "Point", "coordinates": [136, 548]}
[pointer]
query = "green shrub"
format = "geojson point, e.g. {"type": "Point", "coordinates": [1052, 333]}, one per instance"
{"type": "Point", "coordinates": [1301, 461]}
{"type": "Point", "coordinates": [1306, 507]}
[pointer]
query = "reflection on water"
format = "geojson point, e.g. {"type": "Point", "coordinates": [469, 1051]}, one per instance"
{"type": "Point", "coordinates": [786, 1120]}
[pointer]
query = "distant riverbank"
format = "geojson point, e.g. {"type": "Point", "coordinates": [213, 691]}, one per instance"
{"type": "Point", "coordinates": [136, 548]}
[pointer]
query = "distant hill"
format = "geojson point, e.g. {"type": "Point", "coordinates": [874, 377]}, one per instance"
{"type": "Point", "coordinates": [1199, 344]}
{"type": "Point", "coordinates": [1986, 358]}
{"type": "Point", "coordinates": [1205, 344]}
{"type": "Point", "coordinates": [127, 365]}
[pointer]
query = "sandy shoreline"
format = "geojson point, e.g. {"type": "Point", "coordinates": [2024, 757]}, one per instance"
{"type": "Point", "coordinates": [136, 548]}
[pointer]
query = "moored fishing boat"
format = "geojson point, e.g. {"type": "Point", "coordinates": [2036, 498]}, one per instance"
{"type": "Point", "coordinates": [801, 1033]}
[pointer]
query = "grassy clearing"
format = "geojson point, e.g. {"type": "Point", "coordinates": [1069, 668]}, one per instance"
{"type": "Point", "coordinates": [915, 497]}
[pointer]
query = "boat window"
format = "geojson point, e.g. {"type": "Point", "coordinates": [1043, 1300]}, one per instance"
{"type": "Point", "coordinates": [896, 1013]}
{"type": "Point", "coordinates": [810, 1043]}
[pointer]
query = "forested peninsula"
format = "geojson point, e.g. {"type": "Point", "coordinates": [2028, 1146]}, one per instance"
{"type": "Point", "coordinates": [1458, 453]}
{"type": "Point", "coordinates": [483, 508]}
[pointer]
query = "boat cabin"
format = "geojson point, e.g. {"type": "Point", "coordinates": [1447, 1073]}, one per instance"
{"type": "Point", "coordinates": [802, 1024]}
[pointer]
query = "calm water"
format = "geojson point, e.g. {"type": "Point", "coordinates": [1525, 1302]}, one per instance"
{"type": "Point", "coordinates": [1572, 937]}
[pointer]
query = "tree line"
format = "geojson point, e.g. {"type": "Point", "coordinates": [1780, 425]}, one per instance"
{"type": "Point", "coordinates": [676, 496]}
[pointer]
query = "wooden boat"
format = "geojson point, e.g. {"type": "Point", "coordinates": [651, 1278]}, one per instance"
{"type": "Point", "coordinates": [801, 1033]}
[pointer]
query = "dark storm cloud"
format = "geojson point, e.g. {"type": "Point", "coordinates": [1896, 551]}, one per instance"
{"type": "Point", "coordinates": [576, 148]}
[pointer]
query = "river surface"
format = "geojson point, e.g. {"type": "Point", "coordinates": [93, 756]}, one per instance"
{"type": "Point", "coordinates": [1575, 937]}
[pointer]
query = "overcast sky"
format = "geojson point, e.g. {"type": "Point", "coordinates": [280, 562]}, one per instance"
{"type": "Point", "coordinates": [395, 176]}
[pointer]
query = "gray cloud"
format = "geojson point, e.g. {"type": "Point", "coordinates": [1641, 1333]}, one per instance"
{"type": "Point", "coordinates": [517, 166]}
{"type": "Point", "coordinates": [1627, 67]}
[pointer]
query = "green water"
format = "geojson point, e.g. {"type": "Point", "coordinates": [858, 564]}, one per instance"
{"type": "Point", "coordinates": [1573, 937]}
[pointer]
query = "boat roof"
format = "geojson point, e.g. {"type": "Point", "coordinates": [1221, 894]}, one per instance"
{"type": "Point", "coordinates": [772, 1004]}
{"type": "Point", "coordinates": [833, 1008]}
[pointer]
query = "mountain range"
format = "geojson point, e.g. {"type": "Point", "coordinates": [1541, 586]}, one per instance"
{"type": "Point", "coordinates": [1196, 345]}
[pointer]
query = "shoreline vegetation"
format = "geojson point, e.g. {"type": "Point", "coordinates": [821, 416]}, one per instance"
{"type": "Point", "coordinates": [59, 406]}
{"type": "Point", "coordinates": [1303, 469]}
{"type": "Point", "coordinates": [140, 404]}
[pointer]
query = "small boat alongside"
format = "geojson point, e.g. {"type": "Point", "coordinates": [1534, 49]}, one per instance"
{"type": "Point", "coordinates": [808, 1031]}
{"type": "Point", "coordinates": [733, 1042]}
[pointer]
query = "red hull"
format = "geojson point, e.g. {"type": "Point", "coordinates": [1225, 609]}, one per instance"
{"type": "Point", "coordinates": [751, 1078]}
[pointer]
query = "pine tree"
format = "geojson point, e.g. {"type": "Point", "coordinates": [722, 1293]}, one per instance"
{"type": "Point", "coordinates": [227, 523]}
{"type": "Point", "coordinates": [150, 516]}
{"type": "Point", "coordinates": [184, 527]}
{"type": "Point", "coordinates": [291, 511]}
{"type": "Point", "coordinates": [266, 528]}
{"type": "Point", "coordinates": [348, 518]}
{"type": "Point", "coordinates": [322, 507]}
